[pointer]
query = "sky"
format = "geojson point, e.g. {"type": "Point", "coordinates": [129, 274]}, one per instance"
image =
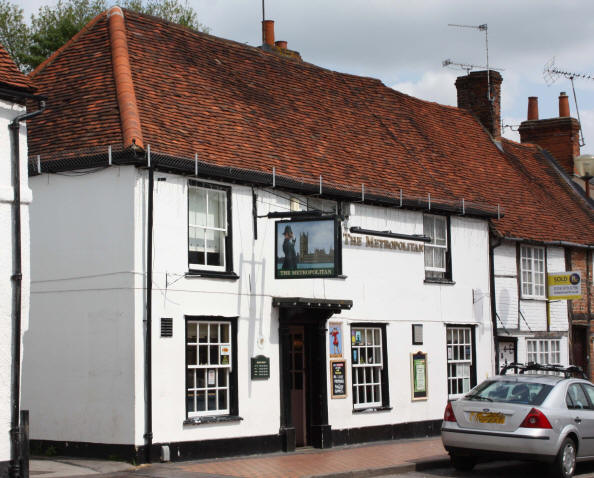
{"type": "Point", "coordinates": [404, 42]}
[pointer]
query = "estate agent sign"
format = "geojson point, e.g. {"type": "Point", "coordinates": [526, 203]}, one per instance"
{"type": "Point", "coordinates": [564, 285]}
{"type": "Point", "coordinates": [307, 248]}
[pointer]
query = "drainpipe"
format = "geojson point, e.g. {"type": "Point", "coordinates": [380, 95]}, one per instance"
{"type": "Point", "coordinates": [589, 309]}
{"type": "Point", "coordinates": [148, 363]}
{"type": "Point", "coordinates": [492, 247]}
{"type": "Point", "coordinates": [17, 277]}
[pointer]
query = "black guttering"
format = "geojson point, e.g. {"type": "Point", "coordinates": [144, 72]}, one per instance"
{"type": "Point", "coordinates": [187, 167]}
{"type": "Point", "coordinates": [17, 277]}
{"type": "Point", "coordinates": [148, 364]}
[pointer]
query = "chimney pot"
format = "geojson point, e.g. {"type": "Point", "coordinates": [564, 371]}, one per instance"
{"type": "Point", "coordinates": [268, 32]}
{"type": "Point", "coordinates": [281, 44]}
{"type": "Point", "coordinates": [563, 105]}
{"type": "Point", "coordinates": [532, 108]}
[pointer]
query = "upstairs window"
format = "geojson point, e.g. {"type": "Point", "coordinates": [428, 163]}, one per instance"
{"type": "Point", "coordinates": [209, 238]}
{"type": "Point", "coordinates": [543, 351]}
{"type": "Point", "coordinates": [437, 260]}
{"type": "Point", "coordinates": [532, 271]}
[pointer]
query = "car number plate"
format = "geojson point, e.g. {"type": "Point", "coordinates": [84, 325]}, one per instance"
{"type": "Point", "coordinates": [484, 417]}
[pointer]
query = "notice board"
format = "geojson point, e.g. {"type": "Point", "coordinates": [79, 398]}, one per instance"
{"type": "Point", "coordinates": [418, 369]}
{"type": "Point", "coordinates": [338, 377]}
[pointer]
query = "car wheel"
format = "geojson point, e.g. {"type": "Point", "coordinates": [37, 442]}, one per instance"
{"type": "Point", "coordinates": [565, 462]}
{"type": "Point", "coordinates": [462, 463]}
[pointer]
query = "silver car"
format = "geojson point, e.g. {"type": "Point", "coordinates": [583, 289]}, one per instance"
{"type": "Point", "coordinates": [539, 416]}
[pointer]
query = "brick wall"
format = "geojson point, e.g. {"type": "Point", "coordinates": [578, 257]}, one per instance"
{"type": "Point", "coordinates": [559, 136]}
{"type": "Point", "coordinates": [579, 308]}
{"type": "Point", "coordinates": [473, 96]}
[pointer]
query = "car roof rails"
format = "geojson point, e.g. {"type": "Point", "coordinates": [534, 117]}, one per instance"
{"type": "Point", "coordinates": [530, 366]}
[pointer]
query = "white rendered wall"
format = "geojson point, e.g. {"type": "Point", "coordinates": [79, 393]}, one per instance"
{"type": "Point", "coordinates": [8, 111]}
{"type": "Point", "coordinates": [384, 285]}
{"type": "Point", "coordinates": [533, 317]}
{"type": "Point", "coordinates": [78, 369]}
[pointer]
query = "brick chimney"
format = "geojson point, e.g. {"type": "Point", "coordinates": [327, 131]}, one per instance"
{"type": "Point", "coordinates": [474, 95]}
{"type": "Point", "coordinates": [559, 136]}
{"type": "Point", "coordinates": [278, 47]}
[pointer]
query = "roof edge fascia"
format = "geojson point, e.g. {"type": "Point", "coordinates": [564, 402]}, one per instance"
{"type": "Point", "coordinates": [186, 167]}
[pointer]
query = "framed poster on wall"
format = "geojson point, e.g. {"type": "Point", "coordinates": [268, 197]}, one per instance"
{"type": "Point", "coordinates": [338, 378]}
{"type": "Point", "coordinates": [418, 371]}
{"type": "Point", "coordinates": [335, 339]}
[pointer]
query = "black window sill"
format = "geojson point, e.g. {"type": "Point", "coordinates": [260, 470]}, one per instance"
{"type": "Point", "coordinates": [372, 409]}
{"type": "Point", "coordinates": [212, 419]}
{"type": "Point", "coordinates": [434, 280]}
{"type": "Point", "coordinates": [212, 275]}
{"type": "Point", "coordinates": [536, 299]}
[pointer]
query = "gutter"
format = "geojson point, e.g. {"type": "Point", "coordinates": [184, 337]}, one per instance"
{"type": "Point", "coordinates": [549, 243]}
{"type": "Point", "coordinates": [16, 452]}
{"type": "Point", "coordinates": [148, 364]}
{"type": "Point", "coordinates": [497, 241]}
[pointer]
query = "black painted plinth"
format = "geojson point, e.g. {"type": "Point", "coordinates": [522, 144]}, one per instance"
{"type": "Point", "coordinates": [288, 438]}
{"type": "Point", "coordinates": [321, 436]}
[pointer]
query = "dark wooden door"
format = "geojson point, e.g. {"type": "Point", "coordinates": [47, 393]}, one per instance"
{"type": "Point", "coordinates": [298, 382]}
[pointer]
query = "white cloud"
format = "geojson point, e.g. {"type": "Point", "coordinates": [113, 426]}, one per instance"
{"type": "Point", "coordinates": [437, 85]}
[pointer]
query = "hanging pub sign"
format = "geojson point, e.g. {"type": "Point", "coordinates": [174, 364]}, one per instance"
{"type": "Point", "coordinates": [307, 248]}
{"type": "Point", "coordinates": [338, 375]}
{"type": "Point", "coordinates": [564, 286]}
{"type": "Point", "coordinates": [418, 369]}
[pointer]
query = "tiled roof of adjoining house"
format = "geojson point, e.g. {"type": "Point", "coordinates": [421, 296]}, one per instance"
{"type": "Point", "coordinates": [238, 106]}
{"type": "Point", "coordinates": [10, 75]}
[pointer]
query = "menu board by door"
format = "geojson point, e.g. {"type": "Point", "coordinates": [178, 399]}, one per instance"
{"type": "Point", "coordinates": [418, 369]}
{"type": "Point", "coordinates": [338, 375]}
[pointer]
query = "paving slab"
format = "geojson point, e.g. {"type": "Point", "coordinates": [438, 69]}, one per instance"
{"type": "Point", "coordinates": [357, 461]}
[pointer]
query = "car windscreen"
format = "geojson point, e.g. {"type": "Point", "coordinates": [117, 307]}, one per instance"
{"type": "Point", "coordinates": [512, 391]}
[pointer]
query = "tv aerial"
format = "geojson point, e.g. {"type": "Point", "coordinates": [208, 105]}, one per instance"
{"type": "Point", "coordinates": [551, 74]}
{"type": "Point", "coordinates": [468, 67]}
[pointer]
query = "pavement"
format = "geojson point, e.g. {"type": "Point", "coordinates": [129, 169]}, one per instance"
{"type": "Point", "coordinates": [367, 460]}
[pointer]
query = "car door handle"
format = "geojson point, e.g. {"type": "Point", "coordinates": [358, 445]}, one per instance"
{"type": "Point", "coordinates": [577, 420]}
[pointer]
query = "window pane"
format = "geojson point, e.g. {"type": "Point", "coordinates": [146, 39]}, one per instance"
{"type": "Point", "coordinates": [222, 399]}
{"type": "Point", "coordinates": [212, 400]}
{"type": "Point", "coordinates": [214, 333]}
{"type": "Point", "coordinates": [190, 378]}
{"type": "Point", "coordinates": [190, 401]}
{"type": "Point", "coordinates": [225, 333]}
{"type": "Point", "coordinates": [191, 332]}
{"type": "Point", "coordinates": [203, 334]}
{"type": "Point", "coordinates": [215, 245]}
{"type": "Point", "coordinates": [203, 355]}
{"type": "Point", "coordinates": [440, 231]}
{"type": "Point", "coordinates": [197, 206]}
{"type": "Point", "coordinates": [200, 401]}
{"type": "Point", "coordinates": [191, 355]}
{"type": "Point", "coordinates": [201, 378]}
{"type": "Point", "coordinates": [216, 209]}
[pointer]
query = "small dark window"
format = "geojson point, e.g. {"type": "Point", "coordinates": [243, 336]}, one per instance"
{"type": "Point", "coordinates": [166, 327]}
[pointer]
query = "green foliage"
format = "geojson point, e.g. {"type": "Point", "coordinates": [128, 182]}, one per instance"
{"type": "Point", "coordinates": [172, 10]}
{"type": "Point", "coordinates": [14, 34]}
{"type": "Point", "coordinates": [53, 26]}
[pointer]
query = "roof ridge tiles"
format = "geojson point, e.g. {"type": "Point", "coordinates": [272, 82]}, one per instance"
{"type": "Point", "coordinates": [122, 72]}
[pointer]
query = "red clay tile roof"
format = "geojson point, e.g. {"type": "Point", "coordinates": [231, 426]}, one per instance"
{"type": "Point", "coordinates": [238, 106]}
{"type": "Point", "coordinates": [10, 75]}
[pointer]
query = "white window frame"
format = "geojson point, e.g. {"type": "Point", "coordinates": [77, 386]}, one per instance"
{"type": "Point", "coordinates": [364, 373]}
{"type": "Point", "coordinates": [208, 367]}
{"type": "Point", "coordinates": [458, 359]}
{"type": "Point", "coordinates": [431, 248]}
{"type": "Point", "coordinates": [532, 280]}
{"type": "Point", "coordinates": [210, 191]}
{"type": "Point", "coordinates": [543, 351]}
